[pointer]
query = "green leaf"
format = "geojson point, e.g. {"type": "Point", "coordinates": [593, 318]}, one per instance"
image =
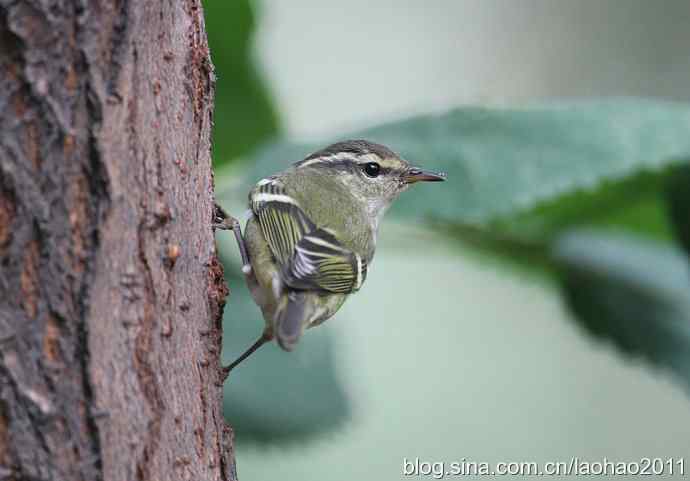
{"type": "Point", "coordinates": [243, 114]}
{"type": "Point", "coordinates": [518, 179]}
{"type": "Point", "coordinates": [678, 197]}
{"type": "Point", "coordinates": [631, 292]}
{"type": "Point", "coordinates": [532, 172]}
{"type": "Point", "coordinates": [274, 396]}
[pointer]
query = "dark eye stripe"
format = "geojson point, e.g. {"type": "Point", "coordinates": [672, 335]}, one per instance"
{"type": "Point", "coordinates": [384, 171]}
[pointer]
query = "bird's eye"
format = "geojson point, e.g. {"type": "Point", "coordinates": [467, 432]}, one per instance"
{"type": "Point", "coordinates": [372, 169]}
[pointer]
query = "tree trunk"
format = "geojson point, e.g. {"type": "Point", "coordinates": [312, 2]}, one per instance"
{"type": "Point", "coordinates": [110, 290]}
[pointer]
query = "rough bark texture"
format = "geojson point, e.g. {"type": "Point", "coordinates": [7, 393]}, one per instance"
{"type": "Point", "coordinates": [110, 290]}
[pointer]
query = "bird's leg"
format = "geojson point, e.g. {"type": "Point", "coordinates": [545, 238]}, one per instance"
{"type": "Point", "coordinates": [265, 337]}
{"type": "Point", "coordinates": [222, 220]}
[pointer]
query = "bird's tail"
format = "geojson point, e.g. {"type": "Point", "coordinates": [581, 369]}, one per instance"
{"type": "Point", "coordinates": [290, 319]}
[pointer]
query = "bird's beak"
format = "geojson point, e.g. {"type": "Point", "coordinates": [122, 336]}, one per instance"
{"type": "Point", "coordinates": [415, 174]}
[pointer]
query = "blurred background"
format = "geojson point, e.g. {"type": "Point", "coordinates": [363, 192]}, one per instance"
{"type": "Point", "coordinates": [450, 351]}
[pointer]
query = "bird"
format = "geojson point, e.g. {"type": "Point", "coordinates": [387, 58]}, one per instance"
{"type": "Point", "coordinates": [311, 234]}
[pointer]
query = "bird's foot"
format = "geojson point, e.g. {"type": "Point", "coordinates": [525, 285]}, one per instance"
{"type": "Point", "coordinates": [224, 221]}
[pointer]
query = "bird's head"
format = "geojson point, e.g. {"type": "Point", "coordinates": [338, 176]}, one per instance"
{"type": "Point", "coordinates": [374, 174]}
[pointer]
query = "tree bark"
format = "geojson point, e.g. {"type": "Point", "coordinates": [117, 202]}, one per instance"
{"type": "Point", "coordinates": [111, 294]}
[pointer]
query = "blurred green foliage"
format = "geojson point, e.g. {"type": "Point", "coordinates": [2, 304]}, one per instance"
{"type": "Point", "coordinates": [244, 115]}
{"type": "Point", "coordinates": [678, 197]}
{"type": "Point", "coordinates": [635, 293]}
{"type": "Point", "coordinates": [531, 172]}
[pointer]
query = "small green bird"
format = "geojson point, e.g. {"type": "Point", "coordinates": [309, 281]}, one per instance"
{"type": "Point", "coordinates": [312, 233]}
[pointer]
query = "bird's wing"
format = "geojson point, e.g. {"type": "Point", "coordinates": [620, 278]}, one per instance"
{"type": "Point", "coordinates": [282, 220]}
{"type": "Point", "coordinates": [309, 257]}
{"type": "Point", "coordinates": [321, 262]}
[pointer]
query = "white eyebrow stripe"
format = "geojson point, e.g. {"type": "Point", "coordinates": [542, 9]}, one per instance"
{"type": "Point", "coordinates": [366, 158]}
{"type": "Point", "coordinates": [266, 197]}
{"type": "Point", "coordinates": [331, 158]}
{"type": "Point", "coordinates": [312, 161]}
